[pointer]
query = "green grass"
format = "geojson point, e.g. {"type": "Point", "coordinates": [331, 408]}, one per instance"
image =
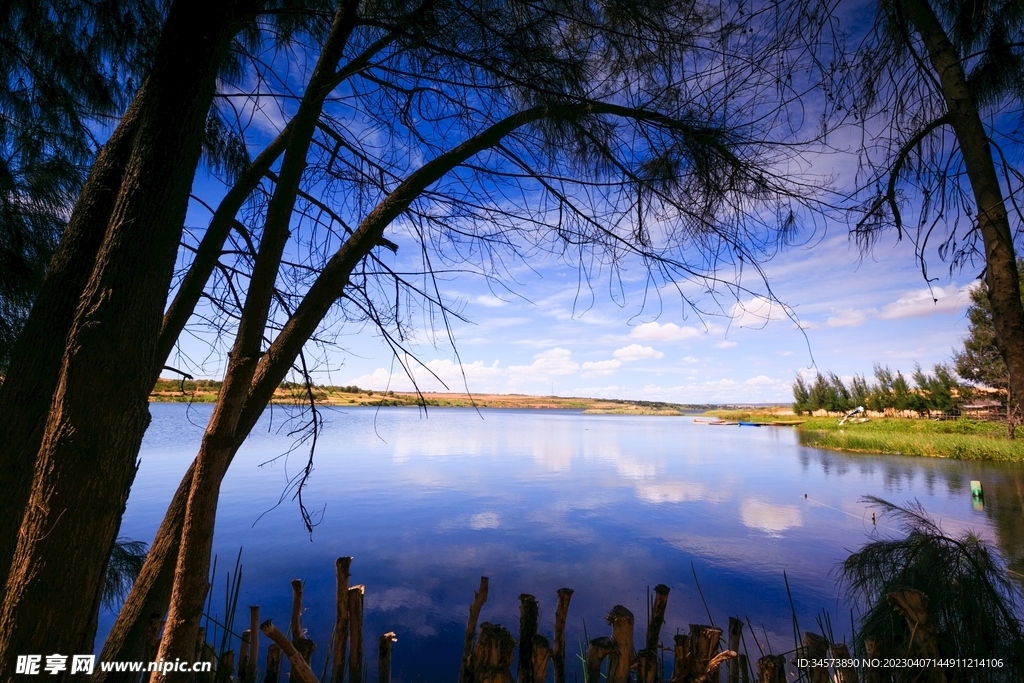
{"type": "Point", "coordinates": [962, 439]}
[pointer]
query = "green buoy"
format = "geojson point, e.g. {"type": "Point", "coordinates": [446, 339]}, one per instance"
{"type": "Point", "coordinates": [976, 491]}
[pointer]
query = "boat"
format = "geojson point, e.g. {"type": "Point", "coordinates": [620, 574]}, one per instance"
{"type": "Point", "coordinates": [750, 424]}
{"type": "Point", "coordinates": [723, 422]}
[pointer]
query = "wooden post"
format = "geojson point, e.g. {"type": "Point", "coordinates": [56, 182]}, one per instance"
{"type": "Point", "coordinates": [384, 657]}
{"type": "Point", "coordinates": [872, 674]}
{"type": "Point", "coordinates": [254, 641]}
{"type": "Point", "coordinates": [355, 630]}
{"type": "Point", "coordinates": [681, 658]}
{"type": "Point", "coordinates": [735, 665]}
{"type": "Point", "coordinates": [296, 622]}
{"type": "Point", "coordinates": [844, 674]}
{"type": "Point", "coordinates": [273, 671]}
{"type": "Point", "coordinates": [646, 666]}
{"type": "Point", "coordinates": [621, 621]}
{"type": "Point", "coordinates": [301, 673]}
{"type": "Point", "coordinates": [912, 605]}
{"type": "Point", "coordinates": [703, 647]}
{"type": "Point", "coordinates": [528, 615]}
{"type": "Point", "coordinates": [744, 669]}
{"type": "Point", "coordinates": [492, 656]}
{"type": "Point", "coordinates": [541, 657]}
{"type": "Point", "coordinates": [815, 647]}
{"type": "Point", "coordinates": [561, 612]}
{"type": "Point", "coordinates": [599, 649]}
{"type": "Point", "coordinates": [771, 669]}
{"type": "Point", "coordinates": [657, 616]}
{"type": "Point", "coordinates": [225, 666]}
{"type": "Point", "coordinates": [479, 598]}
{"type": "Point", "coordinates": [243, 655]}
{"type": "Point", "coordinates": [341, 568]}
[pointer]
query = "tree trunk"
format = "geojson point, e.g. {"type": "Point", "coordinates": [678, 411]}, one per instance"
{"type": "Point", "coordinates": [219, 442]}
{"type": "Point", "coordinates": [86, 459]}
{"type": "Point", "coordinates": [1001, 277]}
{"type": "Point", "coordinates": [27, 390]}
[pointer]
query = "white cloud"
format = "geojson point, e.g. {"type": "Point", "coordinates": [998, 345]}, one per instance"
{"type": "Point", "coordinates": [669, 332]}
{"type": "Point", "coordinates": [485, 520]}
{"type": "Point", "coordinates": [637, 352]}
{"type": "Point", "coordinates": [924, 302]}
{"type": "Point", "coordinates": [847, 317]}
{"type": "Point", "coordinates": [770, 518]}
{"type": "Point", "coordinates": [726, 344]}
{"type": "Point", "coordinates": [755, 312]}
{"type": "Point", "coordinates": [689, 359]}
{"type": "Point", "coordinates": [760, 379]}
{"type": "Point", "coordinates": [600, 368]}
{"type": "Point", "coordinates": [489, 300]}
{"type": "Point", "coordinates": [557, 361]}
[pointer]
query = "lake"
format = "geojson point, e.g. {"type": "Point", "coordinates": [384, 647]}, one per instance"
{"type": "Point", "coordinates": [536, 500]}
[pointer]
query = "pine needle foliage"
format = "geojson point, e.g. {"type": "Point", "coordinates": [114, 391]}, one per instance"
{"type": "Point", "coordinates": [125, 563]}
{"type": "Point", "coordinates": [972, 603]}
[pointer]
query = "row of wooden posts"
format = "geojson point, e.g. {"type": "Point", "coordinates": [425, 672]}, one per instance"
{"type": "Point", "coordinates": [489, 651]}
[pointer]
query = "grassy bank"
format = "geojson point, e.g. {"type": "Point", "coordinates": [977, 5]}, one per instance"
{"type": "Point", "coordinates": [963, 439]}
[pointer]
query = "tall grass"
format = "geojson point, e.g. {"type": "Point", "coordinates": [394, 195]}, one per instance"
{"type": "Point", "coordinates": [962, 439]}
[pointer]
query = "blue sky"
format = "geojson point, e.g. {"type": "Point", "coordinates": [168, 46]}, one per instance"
{"type": "Point", "coordinates": [544, 338]}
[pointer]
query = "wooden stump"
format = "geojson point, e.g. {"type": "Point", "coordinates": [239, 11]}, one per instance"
{"type": "Point", "coordinates": [296, 622]}
{"type": "Point", "coordinates": [225, 666]}
{"type": "Point", "coordinates": [598, 650]}
{"type": "Point", "coordinates": [844, 674]}
{"type": "Point", "coordinates": [871, 674]}
{"type": "Point", "coordinates": [703, 648]}
{"type": "Point", "coordinates": [815, 647]}
{"type": "Point", "coordinates": [657, 616]}
{"type": "Point", "coordinates": [493, 654]}
{"type": "Point", "coordinates": [300, 673]}
{"type": "Point", "coordinates": [912, 605]}
{"type": "Point", "coordinates": [771, 669]}
{"type": "Point", "coordinates": [735, 633]}
{"type": "Point", "coordinates": [744, 669]}
{"type": "Point", "coordinates": [243, 656]}
{"type": "Point", "coordinates": [647, 666]}
{"type": "Point", "coordinates": [273, 670]}
{"type": "Point", "coordinates": [355, 629]}
{"type": "Point", "coordinates": [340, 639]}
{"type": "Point", "coordinates": [529, 614]}
{"type": "Point", "coordinates": [621, 621]}
{"type": "Point", "coordinates": [541, 657]}
{"type": "Point", "coordinates": [561, 612]}
{"type": "Point", "coordinates": [254, 642]}
{"type": "Point", "coordinates": [479, 598]}
{"type": "Point", "coordinates": [681, 664]}
{"type": "Point", "coordinates": [384, 657]}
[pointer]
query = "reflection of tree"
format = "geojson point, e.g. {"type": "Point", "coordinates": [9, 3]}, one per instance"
{"type": "Point", "coordinates": [1004, 505]}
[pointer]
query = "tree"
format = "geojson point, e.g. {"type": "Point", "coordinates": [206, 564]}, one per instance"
{"type": "Point", "coordinates": [970, 606]}
{"type": "Point", "coordinates": [938, 90]}
{"type": "Point", "coordinates": [67, 68]}
{"type": "Point", "coordinates": [96, 323]}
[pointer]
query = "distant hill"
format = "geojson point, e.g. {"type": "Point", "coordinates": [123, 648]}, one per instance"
{"type": "Point", "coordinates": [205, 391]}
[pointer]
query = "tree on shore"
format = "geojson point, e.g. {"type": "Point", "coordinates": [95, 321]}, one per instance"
{"type": "Point", "coordinates": [938, 391]}
{"type": "Point", "coordinates": [937, 89]}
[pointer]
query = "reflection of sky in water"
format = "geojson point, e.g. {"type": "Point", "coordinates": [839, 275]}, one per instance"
{"type": "Point", "coordinates": [607, 505]}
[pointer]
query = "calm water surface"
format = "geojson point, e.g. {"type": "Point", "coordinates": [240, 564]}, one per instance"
{"type": "Point", "coordinates": [536, 500]}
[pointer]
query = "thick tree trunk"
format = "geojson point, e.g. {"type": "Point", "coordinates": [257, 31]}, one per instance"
{"type": "Point", "coordinates": [28, 388]}
{"type": "Point", "coordinates": [219, 443]}
{"type": "Point", "coordinates": [86, 460]}
{"type": "Point", "coordinates": [1001, 277]}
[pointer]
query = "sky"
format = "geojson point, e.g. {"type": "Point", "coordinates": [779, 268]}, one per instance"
{"type": "Point", "coordinates": [546, 339]}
